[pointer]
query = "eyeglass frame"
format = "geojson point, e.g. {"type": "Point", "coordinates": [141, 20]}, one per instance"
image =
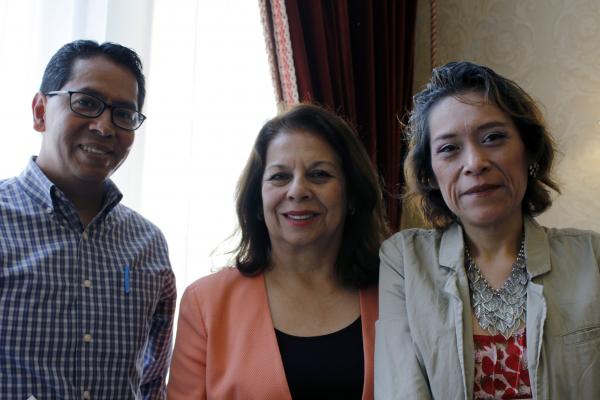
{"type": "Point", "coordinates": [105, 105]}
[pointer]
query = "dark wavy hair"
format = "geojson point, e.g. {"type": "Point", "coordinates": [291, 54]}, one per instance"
{"type": "Point", "coordinates": [59, 69]}
{"type": "Point", "coordinates": [364, 229]}
{"type": "Point", "coordinates": [455, 79]}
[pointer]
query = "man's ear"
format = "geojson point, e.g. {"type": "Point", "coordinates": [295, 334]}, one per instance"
{"type": "Point", "coordinates": [38, 108]}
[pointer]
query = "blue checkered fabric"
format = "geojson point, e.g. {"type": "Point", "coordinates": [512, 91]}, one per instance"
{"type": "Point", "coordinates": [84, 313]}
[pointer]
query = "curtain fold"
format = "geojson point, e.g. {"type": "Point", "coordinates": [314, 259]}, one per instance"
{"type": "Point", "coordinates": [354, 57]}
{"type": "Point", "coordinates": [279, 51]}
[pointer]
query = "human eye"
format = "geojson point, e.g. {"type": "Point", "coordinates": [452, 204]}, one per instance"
{"type": "Point", "coordinates": [278, 178]}
{"type": "Point", "coordinates": [82, 101]}
{"type": "Point", "coordinates": [124, 114]}
{"type": "Point", "coordinates": [447, 149]}
{"type": "Point", "coordinates": [319, 175]}
{"type": "Point", "coordinates": [493, 137]}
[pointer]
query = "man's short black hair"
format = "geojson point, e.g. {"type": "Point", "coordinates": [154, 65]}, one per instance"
{"type": "Point", "coordinates": [59, 68]}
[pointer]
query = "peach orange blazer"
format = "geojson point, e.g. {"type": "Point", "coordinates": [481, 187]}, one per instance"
{"type": "Point", "coordinates": [226, 346]}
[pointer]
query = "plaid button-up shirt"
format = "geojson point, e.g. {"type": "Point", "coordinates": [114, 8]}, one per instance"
{"type": "Point", "coordinates": [84, 313]}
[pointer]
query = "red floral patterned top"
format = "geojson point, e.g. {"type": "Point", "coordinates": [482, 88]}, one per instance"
{"type": "Point", "coordinates": [501, 367]}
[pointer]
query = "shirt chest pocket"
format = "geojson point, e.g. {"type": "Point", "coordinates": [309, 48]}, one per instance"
{"type": "Point", "coordinates": [127, 298]}
{"type": "Point", "coordinates": [136, 290]}
{"type": "Point", "coordinates": [580, 348]}
{"type": "Point", "coordinates": [583, 337]}
{"type": "Point", "coordinates": [580, 364]}
{"type": "Point", "coordinates": [572, 338]}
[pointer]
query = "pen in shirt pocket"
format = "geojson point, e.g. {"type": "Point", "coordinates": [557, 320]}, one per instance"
{"type": "Point", "coordinates": [127, 279]}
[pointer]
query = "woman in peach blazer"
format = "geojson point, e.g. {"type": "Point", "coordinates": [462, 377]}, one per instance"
{"type": "Point", "coordinates": [296, 318]}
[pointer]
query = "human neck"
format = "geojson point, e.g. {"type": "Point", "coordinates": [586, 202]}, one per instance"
{"type": "Point", "coordinates": [87, 199]}
{"type": "Point", "coordinates": [489, 241]}
{"type": "Point", "coordinates": [494, 249]}
{"type": "Point", "coordinates": [303, 267]}
{"type": "Point", "coordinates": [305, 296]}
{"type": "Point", "coordinates": [86, 196]}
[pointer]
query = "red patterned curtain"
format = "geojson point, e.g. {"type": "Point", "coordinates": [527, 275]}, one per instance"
{"type": "Point", "coordinates": [354, 57]}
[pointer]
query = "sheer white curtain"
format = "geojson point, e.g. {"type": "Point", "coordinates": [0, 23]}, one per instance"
{"type": "Point", "coordinates": [213, 94]}
{"type": "Point", "coordinates": [209, 91]}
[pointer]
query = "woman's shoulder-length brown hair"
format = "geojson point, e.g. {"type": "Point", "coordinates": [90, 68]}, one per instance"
{"type": "Point", "coordinates": [454, 79]}
{"type": "Point", "coordinates": [364, 227]}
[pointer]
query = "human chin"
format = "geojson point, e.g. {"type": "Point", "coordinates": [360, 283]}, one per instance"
{"type": "Point", "coordinates": [94, 171]}
{"type": "Point", "coordinates": [485, 216]}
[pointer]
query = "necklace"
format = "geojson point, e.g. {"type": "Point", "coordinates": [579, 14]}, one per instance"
{"type": "Point", "coordinates": [499, 310]}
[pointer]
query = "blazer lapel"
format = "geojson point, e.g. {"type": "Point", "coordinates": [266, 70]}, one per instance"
{"type": "Point", "coordinates": [537, 250]}
{"type": "Point", "coordinates": [266, 330]}
{"type": "Point", "coordinates": [451, 256]}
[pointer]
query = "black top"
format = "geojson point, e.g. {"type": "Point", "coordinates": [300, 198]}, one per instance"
{"type": "Point", "coordinates": [324, 367]}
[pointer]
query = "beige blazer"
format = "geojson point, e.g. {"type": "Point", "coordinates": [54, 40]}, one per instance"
{"type": "Point", "coordinates": [424, 341]}
{"type": "Point", "coordinates": [226, 346]}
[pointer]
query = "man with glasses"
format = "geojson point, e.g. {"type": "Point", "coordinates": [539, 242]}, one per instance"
{"type": "Point", "coordinates": [87, 294]}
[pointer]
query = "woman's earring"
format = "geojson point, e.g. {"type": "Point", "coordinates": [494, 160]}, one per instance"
{"type": "Point", "coordinates": [534, 167]}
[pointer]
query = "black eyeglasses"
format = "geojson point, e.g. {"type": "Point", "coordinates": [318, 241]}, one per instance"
{"type": "Point", "coordinates": [90, 106]}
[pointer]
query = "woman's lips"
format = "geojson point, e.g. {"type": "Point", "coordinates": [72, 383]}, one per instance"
{"type": "Point", "coordinates": [299, 218]}
{"type": "Point", "coordinates": [481, 189]}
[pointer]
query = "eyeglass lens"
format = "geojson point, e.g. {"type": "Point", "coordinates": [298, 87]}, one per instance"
{"type": "Point", "coordinates": [92, 107]}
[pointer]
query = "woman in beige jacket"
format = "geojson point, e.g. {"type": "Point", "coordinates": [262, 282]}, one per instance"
{"type": "Point", "coordinates": [488, 305]}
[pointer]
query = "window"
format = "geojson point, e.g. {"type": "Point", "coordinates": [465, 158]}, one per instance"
{"type": "Point", "coordinates": [208, 93]}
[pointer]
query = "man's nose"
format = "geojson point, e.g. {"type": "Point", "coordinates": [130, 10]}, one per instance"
{"type": "Point", "coordinates": [102, 124]}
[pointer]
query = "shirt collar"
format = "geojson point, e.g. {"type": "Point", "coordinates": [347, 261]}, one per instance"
{"type": "Point", "coordinates": [37, 185]}
{"type": "Point", "coordinates": [112, 196]}
{"type": "Point", "coordinates": [452, 247]}
{"type": "Point", "coordinates": [537, 248]}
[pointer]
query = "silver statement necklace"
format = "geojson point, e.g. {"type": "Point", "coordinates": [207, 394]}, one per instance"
{"type": "Point", "coordinates": [499, 310]}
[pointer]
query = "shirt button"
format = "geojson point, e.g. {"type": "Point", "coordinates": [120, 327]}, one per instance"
{"type": "Point", "coordinates": [87, 338]}
{"type": "Point", "coordinates": [87, 283]}
{"type": "Point", "coordinates": [86, 395]}
{"type": "Point", "coordinates": [84, 235]}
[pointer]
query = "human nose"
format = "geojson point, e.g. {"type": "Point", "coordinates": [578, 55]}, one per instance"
{"type": "Point", "coordinates": [476, 161]}
{"type": "Point", "coordinates": [299, 189]}
{"type": "Point", "coordinates": [102, 125]}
